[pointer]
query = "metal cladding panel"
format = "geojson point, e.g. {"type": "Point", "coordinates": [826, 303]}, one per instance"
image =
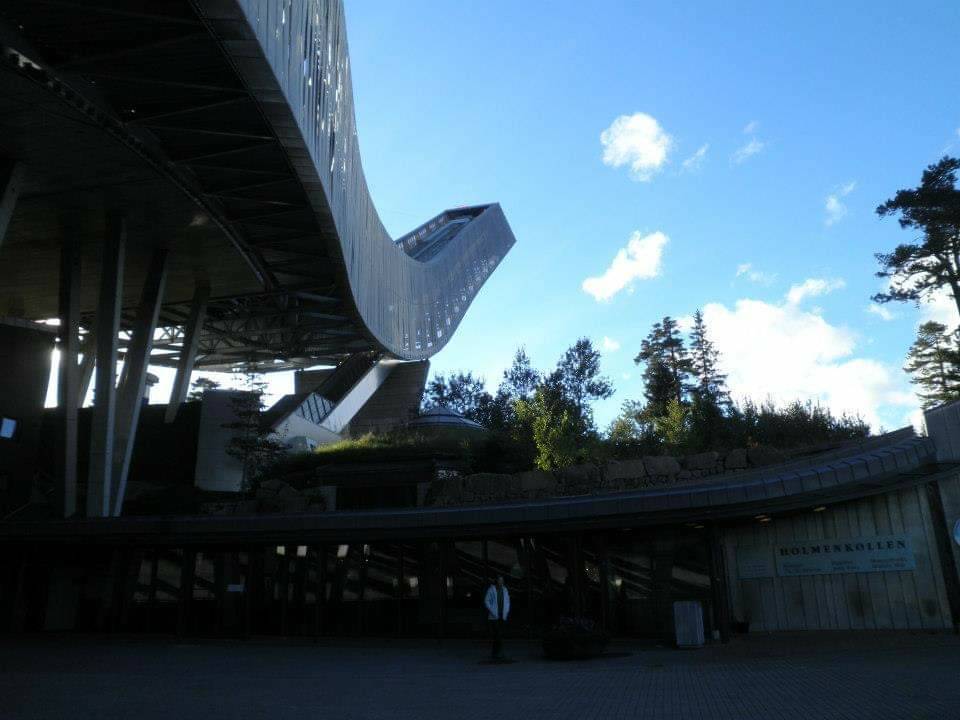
{"type": "Point", "coordinates": [411, 308]}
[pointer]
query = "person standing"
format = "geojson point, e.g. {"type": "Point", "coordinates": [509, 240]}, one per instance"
{"type": "Point", "coordinates": [497, 602]}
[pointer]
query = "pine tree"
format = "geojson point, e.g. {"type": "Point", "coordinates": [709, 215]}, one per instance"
{"type": "Point", "coordinates": [461, 392]}
{"type": "Point", "coordinates": [934, 364]}
{"type": "Point", "coordinates": [520, 379]}
{"type": "Point", "coordinates": [578, 372]}
{"type": "Point", "coordinates": [668, 366]}
{"type": "Point", "coordinates": [931, 263]}
{"type": "Point", "coordinates": [705, 361]}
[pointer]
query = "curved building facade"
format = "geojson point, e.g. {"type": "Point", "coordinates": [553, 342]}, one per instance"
{"type": "Point", "coordinates": [194, 171]}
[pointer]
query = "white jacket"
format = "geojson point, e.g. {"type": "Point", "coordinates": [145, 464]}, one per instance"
{"type": "Point", "coordinates": [490, 601]}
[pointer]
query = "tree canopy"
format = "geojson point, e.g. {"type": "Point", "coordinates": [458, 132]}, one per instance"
{"type": "Point", "coordinates": [931, 261]}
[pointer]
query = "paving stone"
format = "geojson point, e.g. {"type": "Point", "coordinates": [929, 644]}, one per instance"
{"type": "Point", "coordinates": [789, 676]}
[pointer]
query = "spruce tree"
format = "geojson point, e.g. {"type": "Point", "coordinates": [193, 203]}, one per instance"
{"type": "Point", "coordinates": [705, 360]}
{"type": "Point", "coordinates": [668, 366]}
{"type": "Point", "coordinates": [934, 364]}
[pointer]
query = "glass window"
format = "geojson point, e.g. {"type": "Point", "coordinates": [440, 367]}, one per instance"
{"type": "Point", "coordinates": [8, 428]}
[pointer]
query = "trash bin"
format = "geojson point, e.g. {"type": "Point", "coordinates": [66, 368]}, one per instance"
{"type": "Point", "coordinates": [688, 623]}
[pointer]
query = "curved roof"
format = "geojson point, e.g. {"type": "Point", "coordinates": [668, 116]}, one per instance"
{"type": "Point", "coordinates": [226, 130]}
{"type": "Point", "coordinates": [881, 465]}
{"type": "Point", "coordinates": [443, 417]}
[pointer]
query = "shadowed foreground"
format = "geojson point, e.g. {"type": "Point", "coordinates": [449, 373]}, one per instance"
{"type": "Point", "coordinates": [891, 675]}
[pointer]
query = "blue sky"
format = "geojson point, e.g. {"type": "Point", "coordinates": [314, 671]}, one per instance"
{"type": "Point", "coordinates": [747, 146]}
{"type": "Point", "coordinates": [755, 142]}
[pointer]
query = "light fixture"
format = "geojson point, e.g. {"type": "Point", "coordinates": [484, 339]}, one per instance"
{"type": "Point", "coordinates": [301, 550]}
{"type": "Point", "coordinates": [413, 582]}
{"type": "Point", "coordinates": [617, 582]}
{"type": "Point", "coordinates": [342, 551]}
{"type": "Point", "coordinates": [281, 549]}
{"type": "Point", "coordinates": [820, 508]}
{"type": "Point", "coordinates": [765, 519]}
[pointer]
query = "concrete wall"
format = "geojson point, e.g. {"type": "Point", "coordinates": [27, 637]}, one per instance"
{"type": "Point", "coordinates": [943, 427]}
{"type": "Point", "coordinates": [297, 427]}
{"type": "Point", "coordinates": [907, 599]}
{"type": "Point", "coordinates": [217, 470]}
{"type": "Point", "coordinates": [25, 355]}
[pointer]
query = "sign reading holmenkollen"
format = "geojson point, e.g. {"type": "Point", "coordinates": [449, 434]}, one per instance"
{"type": "Point", "coordinates": [881, 553]}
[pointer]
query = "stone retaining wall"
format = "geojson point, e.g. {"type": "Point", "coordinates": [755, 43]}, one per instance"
{"type": "Point", "coordinates": [651, 471]}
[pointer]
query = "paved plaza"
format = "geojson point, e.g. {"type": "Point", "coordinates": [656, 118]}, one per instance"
{"type": "Point", "coordinates": [895, 675]}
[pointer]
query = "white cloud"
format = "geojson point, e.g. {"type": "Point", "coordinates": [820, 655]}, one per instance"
{"type": "Point", "coordinates": [609, 344]}
{"type": "Point", "coordinates": [638, 141]}
{"type": "Point", "coordinates": [756, 276]}
{"type": "Point", "coordinates": [695, 161]}
{"type": "Point", "coordinates": [640, 259]}
{"type": "Point", "coordinates": [834, 205]}
{"type": "Point", "coordinates": [783, 352]}
{"type": "Point", "coordinates": [626, 376]}
{"type": "Point", "coordinates": [753, 147]}
{"type": "Point", "coordinates": [751, 127]}
{"type": "Point", "coordinates": [813, 287]}
{"type": "Point", "coordinates": [881, 311]}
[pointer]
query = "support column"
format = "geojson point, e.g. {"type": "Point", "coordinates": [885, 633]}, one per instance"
{"type": "Point", "coordinates": [220, 588]}
{"type": "Point", "coordinates": [321, 590]}
{"type": "Point", "coordinates": [11, 177]}
{"type": "Point", "coordinates": [400, 588]}
{"type": "Point", "coordinates": [283, 583]}
{"type": "Point", "coordinates": [89, 351]}
{"type": "Point", "coordinates": [718, 584]}
{"type": "Point", "coordinates": [152, 600]}
{"type": "Point", "coordinates": [100, 474]}
{"type": "Point", "coordinates": [68, 391]}
{"type": "Point", "coordinates": [576, 570]}
{"type": "Point", "coordinates": [187, 578]}
{"type": "Point", "coordinates": [130, 396]}
{"type": "Point", "coordinates": [188, 353]}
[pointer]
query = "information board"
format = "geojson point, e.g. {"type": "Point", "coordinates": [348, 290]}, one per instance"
{"type": "Point", "coordinates": [883, 553]}
{"type": "Point", "coordinates": [878, 553]}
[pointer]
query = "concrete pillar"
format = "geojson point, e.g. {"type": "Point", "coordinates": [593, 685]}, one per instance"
{"type": "Point", "coordinates": [68, 391]}
{"type": "Point", "coordinates": [11, 177]}
{"type": "Point", "coordinates": [100, 474]}
{"type": "Point", "coordinates": [130, 395]}
{"type": "Point", "coordinates": [188, 353]}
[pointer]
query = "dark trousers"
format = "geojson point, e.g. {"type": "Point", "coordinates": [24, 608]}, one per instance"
{"type": "Point", "coordinates": [496, 635]}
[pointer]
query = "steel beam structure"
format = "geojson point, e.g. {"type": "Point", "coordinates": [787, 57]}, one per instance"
{"type": "Point", "coordinates": [88, 349]}
{"type": "Point", "coordinates": [188, 351]}
{"type": "Point", "coordinates": [11, 180]}
{"type": "Point", "coordinates": [100, 472]}
{"type": "Point", "coordinates": [252, 136]}
{"type": "Point", "coordinates": [130, 395]}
